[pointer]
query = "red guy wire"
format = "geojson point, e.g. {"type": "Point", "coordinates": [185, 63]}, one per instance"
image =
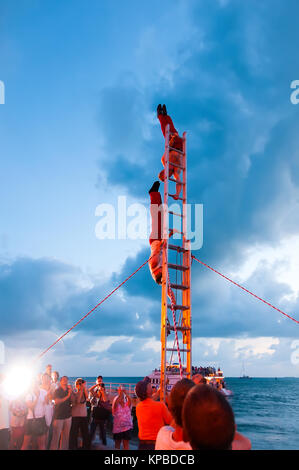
{"type": "Point", "coordinates": [246, 290]}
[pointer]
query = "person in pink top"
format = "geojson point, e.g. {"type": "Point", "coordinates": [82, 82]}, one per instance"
{"type": "Point", "coordinates": [122, 419]}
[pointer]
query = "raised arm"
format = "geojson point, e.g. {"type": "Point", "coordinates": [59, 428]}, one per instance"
{"type": "Point", "coordinates": [57, 400]}
{"type": "Point", "coordinates": [91, 389]}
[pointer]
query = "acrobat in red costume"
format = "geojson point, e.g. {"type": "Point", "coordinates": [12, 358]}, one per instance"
{"type": "Point", "coordinates": [176, 142]}
{"type": "Point", "coordinates": [156, 240]}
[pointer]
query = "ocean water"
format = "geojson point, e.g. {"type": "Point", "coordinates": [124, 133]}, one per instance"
{"type": "Point", "coordinates": [266, 409]}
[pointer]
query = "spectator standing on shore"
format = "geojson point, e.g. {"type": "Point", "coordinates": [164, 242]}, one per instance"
{"type": "Point", "coordinates": [79, 415]}
{"type": "Point", "coordinates": [35, 424]}
{"type": "Point", "coordinates": [101, 410]}
{"type": "Point", "coordinates": [62, 415]}
{"type": "Point", "coordinates": [151, 416]}
{"type": "Point", "coordinates": [53, 386]}
{"type": "Point", "coordinates": [55, 380]}
{"type": "Point", "coordinates": [49, 407]}
{"type": "Point", "coordinates": [208, 419]}
{"type": "Point", "coordinates": [171, 437]}
{"type": "Point", "coordinates": [122, 419]}
{"type": "Point", "coordinates": [49, 370]}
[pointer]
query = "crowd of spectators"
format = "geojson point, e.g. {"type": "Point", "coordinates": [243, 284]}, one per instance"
{"type": "Point", "coordinates": [53, 414]}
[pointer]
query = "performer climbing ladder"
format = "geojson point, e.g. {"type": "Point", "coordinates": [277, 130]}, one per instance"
{"type": "Point", "coordinates": [178, 322]}
{"type": "Point", "coordinates": [155, 240]}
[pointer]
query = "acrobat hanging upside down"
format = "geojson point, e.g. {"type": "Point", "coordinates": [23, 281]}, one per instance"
{"type": "Point", "coordinates": [156, 240]}
{"type": "Point", "coordinates": [176, 142]}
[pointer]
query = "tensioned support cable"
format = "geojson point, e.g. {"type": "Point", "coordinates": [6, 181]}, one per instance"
{"type": "Point", "coordinates": [246, 290]}
{"type": "Point", "coordinates": [92, 310]}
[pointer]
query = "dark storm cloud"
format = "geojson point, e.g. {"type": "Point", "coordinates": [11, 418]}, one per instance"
{"type": "Point", "coordinates": [231, 94]}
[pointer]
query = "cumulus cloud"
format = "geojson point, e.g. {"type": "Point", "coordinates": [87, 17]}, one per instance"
{"type": "Point", "coordinates": [46, 294]}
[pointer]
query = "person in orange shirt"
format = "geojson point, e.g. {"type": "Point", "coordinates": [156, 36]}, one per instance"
{"type": "Point", "coordinates": [176, 142]}
{"type": "Point", "coordinates": [151, 416]}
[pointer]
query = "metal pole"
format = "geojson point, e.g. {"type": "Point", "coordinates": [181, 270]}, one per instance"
{"type": "Point", "coordinates": [164, 271]}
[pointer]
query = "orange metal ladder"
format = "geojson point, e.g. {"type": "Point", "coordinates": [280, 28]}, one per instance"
{"type": "Point", "coordinates": [171, 270]}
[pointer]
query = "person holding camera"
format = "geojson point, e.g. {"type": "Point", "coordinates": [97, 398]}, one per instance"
{"type": "Point", "coordinates": [122, 418]}
{"type": "Point", "coordinates": [101, 409]}
{"type": "Point", "coordinates": [79, 415]}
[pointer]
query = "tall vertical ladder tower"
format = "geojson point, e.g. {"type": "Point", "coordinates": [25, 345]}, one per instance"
{"type": "Point", "coordinates": [176, 338]}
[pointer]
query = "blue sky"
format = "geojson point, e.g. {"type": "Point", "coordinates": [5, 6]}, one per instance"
{"type": "Point", "coordinates": [78, 128]}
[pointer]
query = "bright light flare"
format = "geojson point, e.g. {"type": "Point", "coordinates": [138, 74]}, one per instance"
{"type": "Point", "coordinates": [17, 381]}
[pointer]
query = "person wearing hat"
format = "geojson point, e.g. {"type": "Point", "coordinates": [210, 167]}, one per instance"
{"type": "Point", "coordinates": [151, 416]}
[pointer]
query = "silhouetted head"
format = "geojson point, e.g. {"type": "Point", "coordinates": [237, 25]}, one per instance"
{"type": "Point", "coordinates": [208, 419]}
{"type": "Point", "coordinates": [143, 389]}
{"type": "Point", "coordinates": [177, 397]}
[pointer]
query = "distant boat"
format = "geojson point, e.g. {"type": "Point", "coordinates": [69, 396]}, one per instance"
{"type": "Point", "coordinates": [244, 376]}
{"type": "Point", "coordinates": [213, 377]}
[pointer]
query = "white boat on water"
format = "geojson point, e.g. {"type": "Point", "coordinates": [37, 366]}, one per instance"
{"type": "Point", "coordinates": [213, 377]}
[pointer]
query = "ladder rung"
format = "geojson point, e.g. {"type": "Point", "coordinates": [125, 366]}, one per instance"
{"type": "Point", "coordinates": [181, 350]}
{"type": "Point", "coordinates": [176, 165]}
{"type": "Point", "coordinates": [178, 286]}
{"type": "Point", "coordinates": [176, 150]}
{"type": "Point", "coordinates": [178, 267]}
{"type": "Point", "coordinates": [177, 248]}
{"type": "Point", "coordinates": [178, 307]}
{"type": "Point", "coordinates": [179, 328]}
{"type": "Point", "coordinates": [174, 213]}
{"type": "Point", "coordinates": [175, 181]}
